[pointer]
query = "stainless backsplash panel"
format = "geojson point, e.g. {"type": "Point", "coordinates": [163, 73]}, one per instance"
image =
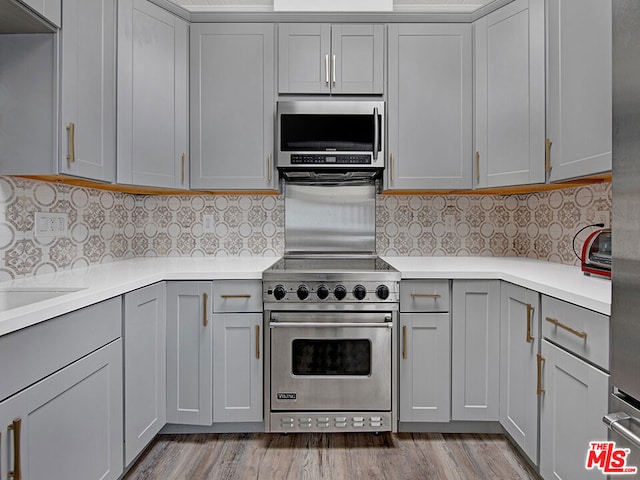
{"type": "Point", "coordinates": [330, 218]}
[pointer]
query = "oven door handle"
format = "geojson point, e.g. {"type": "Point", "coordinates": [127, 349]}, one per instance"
{"type": "Point", "coordinates": [331, 324]}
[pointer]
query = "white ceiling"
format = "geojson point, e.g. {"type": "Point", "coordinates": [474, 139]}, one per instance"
{"type": "Point", "coordinates": [435, 6]}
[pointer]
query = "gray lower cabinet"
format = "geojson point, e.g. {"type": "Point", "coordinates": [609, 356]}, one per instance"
{"type": "Point", "coordinates": [153, 96]}
{"type": "Point", "coordinates": [475, 355]}
{"type": "Point", "coordinates": [574, 400]}
{"type": "Point", "coordinates": [510, 95]}
{"type": "Point", "coordinates": [425, 351]}
{"type": "Point", "coordinates": [69, 424]}
{"type": "Point", "coordinates": [88, 89]}
{"type": "Point", "coordinates": [61, 397]}
{"type": "Point", "coordinates": [145, 367]}
{"type": "Point", "coordinates": [430, 106]}
{"type": "Point", "coordinates": [189, 353]}
{"type": "Point", "coordinates": [232, 106]}
{"type": "Point", "coordinates": [324, 58]}
{"type": "Point", "coordinates": [237, 367]}
{"type": "Point", "coordinates": [519, 364]}
{"type": "Point", "coordinates": [578, 87]}
{"type": "Point", "coordinates": [49, 9]}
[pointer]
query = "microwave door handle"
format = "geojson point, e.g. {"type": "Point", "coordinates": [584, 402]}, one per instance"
{"type": "Point", "coordinates": [376, 133]}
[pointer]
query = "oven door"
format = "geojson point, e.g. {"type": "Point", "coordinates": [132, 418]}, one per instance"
{"type": "Point", "coordinates": [331, 361]}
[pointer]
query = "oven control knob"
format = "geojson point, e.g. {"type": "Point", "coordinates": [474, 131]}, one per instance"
{"type": "Point", "coordinates": [382, 292]}
{"type": "Point", "coordinates": [279, 292]}
{"type": "Point", "coordinates": [359, 292]}
{"type": "Point", "coordinates": [303, 292]}
{"type": "Point", "coordinates": [322, 292]}
{"type": "Point", "coordinates": [340, 292]}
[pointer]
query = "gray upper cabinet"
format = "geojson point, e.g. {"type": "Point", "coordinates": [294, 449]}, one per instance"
{"type": "Point", "coordinates": [153, 97]}
{"type": "Point", "coordinates": [88, 92]}
{"type": "Point", "coordinates": [430, 106]}
{"type": "Point", "coordinates": [323, 58]}
{"type": "Point", "coordinates": [51, 10]}
{"type": "Point", "coordinates": [232, 106]}
{"type": "Point", "coordinates": [510, 95]}
{"type": "Point", "coordinates": [578, 87]}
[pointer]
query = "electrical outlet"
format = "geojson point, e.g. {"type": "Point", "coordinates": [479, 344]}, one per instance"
{"type": "Point", "coordinates": [603, 216]}
{"type": "Point", "coordinates": [51, 225]}
{"type": "Point", "coordinates": [208, 223]}
{"type": "Point", "coordinates": [450, 222]}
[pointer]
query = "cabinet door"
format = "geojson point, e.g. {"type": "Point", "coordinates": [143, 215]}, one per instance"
{"type": "Point", "coordinates": [152, 96]}
{"type": "Point", "coordinates": [425, 367]}
{"type": "Point", "coordinates": [430, 116]}
{"type": "Point", "coordinates": [357, 57]}
{"type": "Point", "coordinates": [71, 422]}
{"type": "Point", "coordinates": [578, 87]}
{"type": "Point", "coordinates": [232, 106]}
{"type": "Point", "coordinates": [519, 345]}
{"type": "Point", "coordinates": [237, 367]}
{"type": "Point", "coordinates": [510, 95]}
{"type": "Point", "coordinates": [476, 350]}
{"type": "Point", "coordinates": [14, 439]}
{"type": "Point", "coordinates": [189, 353]}
{"type": "Point", "coordinates": [49, 9]}
{"type": "Point", "coordinates": [88, 87]}
{"type": "Point", "coordinates": [145, 367]}
{"type": "Point", "coordinates": [574, 401]}
{"type": "Point", "coordinates": [304, 58]}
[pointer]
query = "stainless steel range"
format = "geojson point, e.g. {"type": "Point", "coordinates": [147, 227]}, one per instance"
{"type": "Point", "coordinates": [331, 320]}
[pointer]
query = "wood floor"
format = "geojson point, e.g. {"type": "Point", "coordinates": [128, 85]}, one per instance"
{"type": "Point", "coordinates": [403, 456]}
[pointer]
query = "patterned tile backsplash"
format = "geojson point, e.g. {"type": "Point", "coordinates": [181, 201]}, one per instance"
{"type": "Point", "coordinates": [106, 226]}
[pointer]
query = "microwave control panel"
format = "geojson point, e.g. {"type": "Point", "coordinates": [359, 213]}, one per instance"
{"type": "Point", "coordinates": [330, 159]}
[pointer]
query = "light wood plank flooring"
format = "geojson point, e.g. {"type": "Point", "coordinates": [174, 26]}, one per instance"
{"type": "Point", "coordinates": [354, 456]}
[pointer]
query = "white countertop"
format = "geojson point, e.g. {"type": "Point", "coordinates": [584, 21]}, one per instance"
{"type": "Point", "coordinates": [565, 282]}
{"type": "Point", "coordinates": [100, 282]}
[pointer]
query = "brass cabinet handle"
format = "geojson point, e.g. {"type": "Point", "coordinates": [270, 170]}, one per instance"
{"type": "Point", "coordinates": [258, 342]}
{"type": "Point", "coordinates": [16, 427]}
{"type": "Point", "coordinates": [269, 168]}
{"type": "Point", "coordinates": [547, 155]}
{"type": "Point", "coordinates": [404, 342]}
{"type": "Point", "coordinates": [541, 360]}
{"type": "Point", "coordinates": [205, 300]}
{"type": "Point", "coordinates": [246, 295]}
{"type": "Point", "coordinates": [426, 295]}
{"type": "Point", "coordinates": [184, 160]}
{"type": "Point", "coordinates": [555, 322]}
{"type": "Point", "coordinates": [333, 69]}
{"type": "Point", "coordinates": [326, 68]}
{"type": "Point", "coordinates": [477, 167]}
{"type": "Point", "coordinates": [391, 166]}
{"type": "Point", "coordinates": [71, 132]}
{"type": "Point", "coordinates": [530, 310]}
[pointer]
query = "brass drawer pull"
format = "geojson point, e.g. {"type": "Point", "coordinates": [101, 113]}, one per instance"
{"type": "Point", "coordinates": [71, 131]}
{"type": "Point", "coordinates": [258, 342]}
{"type": "Point", "coordinates": [226, 297]}
{"type": "Point", "coordinates": [205, 300]}
{"type": "Point", "coordinates": [435, 296]}
{"type": "Point", "coordinates": [391, 166]}
{"type": "Point", "coordinates": [541, 360]}
{"type": "Point", "coordinates": [269, 168]}
{"type": "Point", "coordinates": [547, 155]}
{"type": "Point", "coordinates": [184, 161]}
{"type": "Point", "coordinates": [555, 322]}
{"type": "Point", "coordinates": [530, 310]}
{"type": "Point", "coordinates": [16, 427]}
{"type": "Point", "coordinates": [477, 167]}
{"type": "Point", "coordinates": [404, 342]}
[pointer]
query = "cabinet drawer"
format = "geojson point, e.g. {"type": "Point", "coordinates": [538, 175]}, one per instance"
{"type": "Point", "coordinates": [579, 330]}
{"type": "Point", "coordinates": [42, 349]}
{"type": "Point", "coordinates": [237, 296]}
{"type": "Point", "coordinates": [424, 296]}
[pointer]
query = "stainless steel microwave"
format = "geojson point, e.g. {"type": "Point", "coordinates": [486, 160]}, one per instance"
{"type": "Point", "coordinates": [337, 135]}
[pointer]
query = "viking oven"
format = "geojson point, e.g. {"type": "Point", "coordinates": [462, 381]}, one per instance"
{"type": "Point", "coordinates": [331, 317]}
{"type": "Point", "coordinates": [332, 331]}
